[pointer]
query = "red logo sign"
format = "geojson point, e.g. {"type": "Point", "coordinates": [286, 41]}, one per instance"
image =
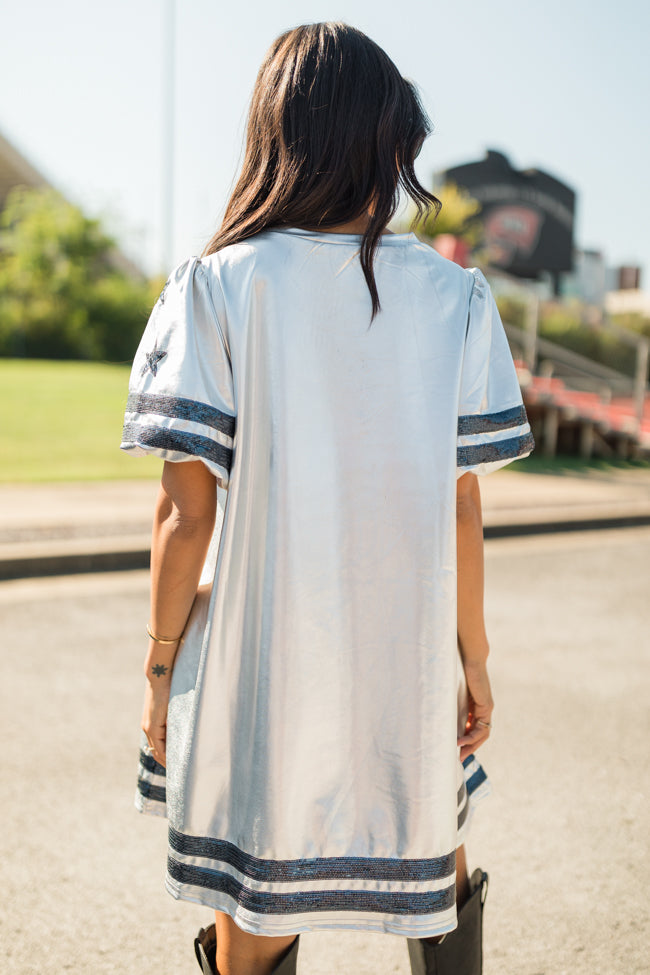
{"type": "Point", "coordinates": [511, 231]}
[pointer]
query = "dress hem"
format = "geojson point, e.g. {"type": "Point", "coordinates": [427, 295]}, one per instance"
{"type": "Point", "coordinates": [447, 920]}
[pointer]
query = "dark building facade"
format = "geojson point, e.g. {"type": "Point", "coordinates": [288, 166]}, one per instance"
{"type": "Point", "coordinates": [527, 215]}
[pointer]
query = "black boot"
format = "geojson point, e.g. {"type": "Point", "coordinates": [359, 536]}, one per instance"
{"type": "Point", "coordinates": [205, 946]}
{"type": "Point", "coordinates": [460, 952]}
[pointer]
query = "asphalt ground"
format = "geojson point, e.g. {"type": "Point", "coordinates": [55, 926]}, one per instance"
{"type": "Point", "coordinates": [56, 529]}
{"type": "Point", "coordinates": [564, 835]}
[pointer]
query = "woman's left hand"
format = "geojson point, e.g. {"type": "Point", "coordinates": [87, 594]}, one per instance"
{"type": "Point", "coordinates": [154, 719]}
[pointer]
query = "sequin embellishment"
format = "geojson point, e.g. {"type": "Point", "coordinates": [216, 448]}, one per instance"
{"type": "Point", "coordinates": [154, 358]}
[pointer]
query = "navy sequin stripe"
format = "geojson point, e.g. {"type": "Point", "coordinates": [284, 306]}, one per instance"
{"type": "Point", "coordinates": [148, 790]}
{"type": "Point", "coordinates": [182, 409]}
{"type": "Point", "coordinates": [315, 868]}
{"type": "Point", "coordinates": [462, 815]}
{"type": "Point", "coordinates": [487, 422]}
{"type": "Point", "coordinates": [478, 778]}
{"type": "Point", "coordinates": [483, 453]}
{"type": "Point", "coordinates": [149, 763]}
{"type": "Point", "coordinates": [178, 440]}
{"type": "Point", "coordinates": [297, 902]}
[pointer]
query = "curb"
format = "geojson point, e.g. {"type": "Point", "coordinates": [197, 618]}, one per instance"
{"type": "Point", "coordinates": [120, 559]}
{"type": "Point", "coordinates": [590, 523]}
{"type": "Point", "coordinates": [74, 563]}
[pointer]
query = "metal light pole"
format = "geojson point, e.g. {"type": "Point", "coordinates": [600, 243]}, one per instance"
{"type": "Point", "coordinates": [168, 133]}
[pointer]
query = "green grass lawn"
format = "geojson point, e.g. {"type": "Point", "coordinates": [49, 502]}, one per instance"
{"type": "Point", "coordinates": [62, 421]}
{"type": "Point", "coordinates": [536, 463]}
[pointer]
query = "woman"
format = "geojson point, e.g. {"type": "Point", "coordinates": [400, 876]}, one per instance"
{"type": "Point", "coordinates": [327, 392]}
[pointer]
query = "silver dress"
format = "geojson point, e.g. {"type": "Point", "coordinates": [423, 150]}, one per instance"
{"type": "Point", "coordinates": [313, 778]}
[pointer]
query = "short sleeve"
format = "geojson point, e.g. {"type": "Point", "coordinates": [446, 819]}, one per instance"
{"type": "Point", "coordinates": [493, 427]}
{"type": "Point", "coordinates": [181, 403]}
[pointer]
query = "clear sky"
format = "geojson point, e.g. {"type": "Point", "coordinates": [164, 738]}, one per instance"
{"type": "Point", "coordinates": [563, 86]}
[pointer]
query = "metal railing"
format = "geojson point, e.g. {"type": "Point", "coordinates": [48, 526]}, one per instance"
{"type": "Point", "coordinates": [579, 371]}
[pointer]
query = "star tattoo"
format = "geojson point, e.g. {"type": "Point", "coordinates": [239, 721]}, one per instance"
{"type": "Point", "coordinates": [153, 359]}
{"type": "Point", "coordinates": [159, 670]}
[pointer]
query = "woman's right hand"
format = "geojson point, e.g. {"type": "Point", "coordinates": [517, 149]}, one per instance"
{"type": "Point", "coordinates": [480, 707]}
{"type": "Point", "coordinates": [154, 719]}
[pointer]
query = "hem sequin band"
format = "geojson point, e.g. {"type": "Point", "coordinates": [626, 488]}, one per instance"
{"type": "Point", "coordinates": [223, 859]}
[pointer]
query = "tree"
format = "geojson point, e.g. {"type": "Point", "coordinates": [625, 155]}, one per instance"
{"type": "Point", "coordinates": [458, 217]}
{"type": "Point", "coordinates": [61, 293]}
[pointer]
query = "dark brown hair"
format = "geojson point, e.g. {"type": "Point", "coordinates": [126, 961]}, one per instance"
{"type": "Point", "coordinates": [333, 132]}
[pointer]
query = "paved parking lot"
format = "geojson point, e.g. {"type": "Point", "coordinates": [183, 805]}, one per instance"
{"type": "Point", "coordinates": [563, 837]}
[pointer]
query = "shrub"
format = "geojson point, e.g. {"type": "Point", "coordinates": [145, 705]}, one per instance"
{"type": "Point", "coordinates": [62, 295]}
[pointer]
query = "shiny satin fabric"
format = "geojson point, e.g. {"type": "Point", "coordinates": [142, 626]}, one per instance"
{"type": "Point", "coordinates": [313, 778]}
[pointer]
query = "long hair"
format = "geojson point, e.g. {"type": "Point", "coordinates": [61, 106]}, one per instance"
{"type": "Point", "coordinates": [333, 133]}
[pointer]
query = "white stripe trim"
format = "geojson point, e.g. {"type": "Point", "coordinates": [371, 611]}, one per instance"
{"type": "Point", "coordinates": [508, 433]}
{"type": "Point", "coordinates": [424, 925]}
{"type": "Point", "coordinates": [185, 426]}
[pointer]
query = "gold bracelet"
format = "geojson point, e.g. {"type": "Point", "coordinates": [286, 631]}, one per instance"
{"type": "Point", "coordinates": [159, 639]}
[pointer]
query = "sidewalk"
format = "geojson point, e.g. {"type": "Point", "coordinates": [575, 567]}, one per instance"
{"type": "Point", "coordinates": [55, 529]}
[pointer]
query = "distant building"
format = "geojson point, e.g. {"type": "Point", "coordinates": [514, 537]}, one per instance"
{"type": "Point", "coordinates": [628, 278]}
{"type": "Point", "coordinates": [624, 294]}
{"type": "Point", "coordinates": [588, 279]}
{"type": "Point", "coordinates": [15, 170]}
{"type": "Point", "coordinates": [528, 215]}
{"type": "Point", "coordinates": [628, 301]}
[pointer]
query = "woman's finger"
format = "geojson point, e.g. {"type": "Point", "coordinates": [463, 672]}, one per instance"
{"type": "Point", "coordinates": [154, 722]}
{"type": "Point", "coordinates": [474, 738]}
{"type": "Point", "coordinates": [157, 738]}
{"type": "Point", "coordinates": [160, 755]}
{"type": "Point", "coordinates": [470, 749]}
{"type": "Point", "coordinates": [475, 735]}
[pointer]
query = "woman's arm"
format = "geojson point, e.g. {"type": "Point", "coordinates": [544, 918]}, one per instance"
{"type": "Point", "coordinates": [182, 528]}
{"type": "Point", "coordinates": [472, 638]}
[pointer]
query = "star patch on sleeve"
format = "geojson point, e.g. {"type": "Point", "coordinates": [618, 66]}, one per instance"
{"type": "Point", "coordinates": [154, 358]}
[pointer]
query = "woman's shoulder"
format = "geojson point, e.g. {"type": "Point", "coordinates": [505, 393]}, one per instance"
{"type": "Point", "coordinates": [231, 255]}
{"type": "Point", "coordinates": [444, 271]}
{"type": "Point", "coordinates": [268, 251]}
{"type": "Point", "coordinates": [241, 257]}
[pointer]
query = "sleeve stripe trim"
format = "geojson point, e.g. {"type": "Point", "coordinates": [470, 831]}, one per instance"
{"type": "Point", "coordinates": [156, 793]}
{"type": "Point", "coordinates": [180, 408]}
{"type": "Point", "coordinates": [470, 439]}
{"type": "Point", "coordinates": [179, 440]}
{"type": "Point", "coordinates": [486, 422]}
{"type": "Point", "coordinates": [484, 453]}
{"type": "Point", "coordinates": [149, 763]}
